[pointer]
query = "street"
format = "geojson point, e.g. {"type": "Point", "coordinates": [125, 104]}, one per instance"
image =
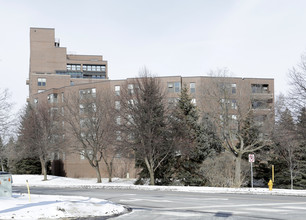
{"type": "Point", "coordinates": [186, 205]}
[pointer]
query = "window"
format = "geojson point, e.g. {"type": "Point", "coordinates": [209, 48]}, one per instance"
{"type": "Point", "coordinates": [93, 68]}
{"type": "Point", "coordinates": [117, 90]}
{"type": "Point", "coordinates": [194, 101]}
{"type": "Point", "coordinates": [233, 88]}
{"type": "Point", "coordinates": [82, 153]}
{"type": "Point", "coordinates": [118, 120]}
{"type": "Point", "coordinates": [170, 87]}
{"type": "Point", "coordinates": [62, 97]}
{"type": "Point", "coordinates": [87, 92]}
{"type": "Point", "coordinates": [94, 107]}
{"type": "Point", "coordinates": [130, 120]}
{"type": "Point", "coordinates": [74, 67]}
{"type": "Point", "coordinates": [174, 87]}
{"type": "Point", "coordinates": [131, 102]}
{"type": "Point", "coordinates": [177, 86]}
{"type": "Point", "coordinates": [234, 104]}
{"type": "Point", "coordinates": [117, 105]}
{"type": "Point", "coordinates": [93, 92]}
{"type": "Point", "coordinates": [82, 108]}
{"type": "Point", "coordinates": [53, 112]}
{"type": "Point", "coordinates": [234, 117]}
{"type": "Point", "coordinates": [260, 104]}
{"type": "Point", "coordinates": [260, 119]}
{"type": "Point", "coordinates": [118, 135]}
{"type": "Point", "coordinates": [192, 87]}
{"type": "Point", "coordinates": [52, 98]}
{"type": "Point", "coordinates": [230, 88]}
{"type": "Point", "coordinates": [260, 88]}
{"type": "Point", "coordinates": [41, 81]}
{"type": "Point", "coordinates": [131, 89]}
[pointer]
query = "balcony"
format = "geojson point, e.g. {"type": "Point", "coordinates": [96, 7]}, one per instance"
{"type": "Point", "coordinates": [266, 95]}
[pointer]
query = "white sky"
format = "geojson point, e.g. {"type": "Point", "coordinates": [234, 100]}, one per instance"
{"type": "Point", "coordinates": [253, 38]}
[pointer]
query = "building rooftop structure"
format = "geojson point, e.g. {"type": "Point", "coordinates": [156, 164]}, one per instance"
{"type": "Point", "coordinates": [51, 66]}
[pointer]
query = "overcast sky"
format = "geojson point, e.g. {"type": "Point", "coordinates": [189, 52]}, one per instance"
{"type": "Point", "coordinates": [252, 38]}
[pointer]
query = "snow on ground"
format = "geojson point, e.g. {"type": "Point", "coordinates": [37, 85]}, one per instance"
{"type": "Point", "coordinates": [48, 207]}
{"type": "Point", "coordinates": [55, 181]}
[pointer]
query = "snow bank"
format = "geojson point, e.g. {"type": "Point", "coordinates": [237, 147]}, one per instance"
{"type": "Point", "coordinates": [48, 207]}
{"type": "Point", "coordinates": [55, 181]}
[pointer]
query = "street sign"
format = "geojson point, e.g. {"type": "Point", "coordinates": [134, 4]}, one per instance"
{"type": "Point", "coordinates": [251, 158]}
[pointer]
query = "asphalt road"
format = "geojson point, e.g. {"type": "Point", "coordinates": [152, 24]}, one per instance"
{"type": "Point", "coordinates": [183, 205]}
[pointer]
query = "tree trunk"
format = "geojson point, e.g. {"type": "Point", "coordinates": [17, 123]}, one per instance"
{"type": "Point", "coordinates": [110, 172]}
{"type": "Point", "coordinates": [109, 167]}
{"type": "Point", "coordinates": [2, 167]}
{"type": "Point", "coordinates": [43, 167]}
{"type": "Point", "coordinates": [99, 179]}
{"type": "Point", "coordinates": [238, 170]}
{"type": "Point", "coordinates": [151, 171]}
{"type": "Point", "coordinates": [291, 178]}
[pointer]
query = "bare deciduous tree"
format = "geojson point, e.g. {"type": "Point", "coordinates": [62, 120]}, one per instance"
{"type": "Point", "coordinates": [231, 109]}
{"type": "Point", "coordinates": [40, 133]}
{"type": "Point", "coordinates": [220, 170]}
{"type": "Point", "coordinates": [5, 112]}
{"type": "Point", "coordinates": [297, 77]}
{"type": "Point", "coordinates": [90, 119]}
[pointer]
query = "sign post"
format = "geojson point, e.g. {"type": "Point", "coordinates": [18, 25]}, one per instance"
{"type": "Point", "coordinates": [273, 173]}
{"type": "Point", "coordinates": [251, 160]}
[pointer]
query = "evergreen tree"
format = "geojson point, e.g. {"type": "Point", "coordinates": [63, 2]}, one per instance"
{"type": "Point", "coordinates": [300, 181]}
{"type": "Point", "coordinates": [146, 129]}
{"type": "Point", "coordinates": [195, 141]}
{"type": "Point", "coordinates": [287, 145]}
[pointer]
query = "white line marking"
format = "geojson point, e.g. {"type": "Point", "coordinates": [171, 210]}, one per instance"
{"type": "Point", "coordinates": [244, 205]}
{"type": "Point", "coordinates": [293, 207]}
{"type": "Point", "coordinates": [137, 200]}
{"type": "Point", "coordinates": [265, 210]}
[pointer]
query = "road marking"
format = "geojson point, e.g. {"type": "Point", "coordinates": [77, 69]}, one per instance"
{"type": "Point", "coordinates": [294, 207]}
{"type": "Point", "coordinates": [266, 210]}
{"type": "Point", "coordinates": [180, 214]}
{"type": "Point", "coordinates": [244, 205]}
{"type": "Point", "coordinates": [204, 199]}
{"type": "Point", "coordinates": [148, 200]}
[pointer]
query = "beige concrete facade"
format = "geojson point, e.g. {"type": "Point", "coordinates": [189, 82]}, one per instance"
{"type": "Point", "coordinates": [51, 66]}
{"type": "Point", "coordinates": [50, 62]}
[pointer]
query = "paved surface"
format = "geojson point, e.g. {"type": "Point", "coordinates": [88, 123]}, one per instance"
{"type": "Point", "coordinates": [183, 205]}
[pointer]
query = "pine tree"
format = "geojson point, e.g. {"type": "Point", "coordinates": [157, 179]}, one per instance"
{"type": "Point", "coordinates": [146, 128]}
{"type": "Point", "coordinates": [300, 181]}
{"type": "Point", "coordinates": [195, 141]}
{"type": "Point", "coordinates": [287, 143]}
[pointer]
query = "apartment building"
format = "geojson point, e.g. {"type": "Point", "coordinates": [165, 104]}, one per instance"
{"type": "Point", "coordinates": [54, 74]}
